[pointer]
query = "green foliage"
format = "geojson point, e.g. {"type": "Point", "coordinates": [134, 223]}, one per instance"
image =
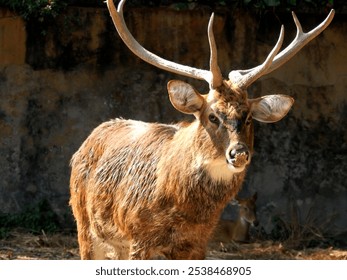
{"type": "Point", "coordinates": [39, 10]}
{"type": "Point", "coordinates": [34, 219]}
{"type": "Point", "coordinates": [259, 6]}
{"type": "Point", "coordinates": [42, 10]}
{"type": "Point", "coordinates": [264, 4]}
{"type": "Point", "coordinates": [231, 3]}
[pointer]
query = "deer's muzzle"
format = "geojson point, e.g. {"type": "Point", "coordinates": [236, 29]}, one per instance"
{"type": "Point", "coordinates": [238, 156]}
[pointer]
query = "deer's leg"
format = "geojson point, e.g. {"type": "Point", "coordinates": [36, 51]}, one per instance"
{"type": "Point", "coordinates": [85, 243]}
{"type": "Point", "coordinates": [120, 249]}
{"type": "Point", "coordinates": [99, 249]}
{"type": "Point", "coordinates": [198, 254]}
{"type": "Point", "coordinates": [187, 251]}
{"type": "Point", "coordinates": [138, 252]}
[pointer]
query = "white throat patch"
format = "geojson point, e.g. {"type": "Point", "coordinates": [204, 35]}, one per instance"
{"type": "Point", "coordinates": [220, 170]}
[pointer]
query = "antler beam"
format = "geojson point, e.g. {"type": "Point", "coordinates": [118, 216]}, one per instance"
{"type": "Point", "coordinates": [213, 77]}
{"type": "Point", "coordinates": [244, 78]}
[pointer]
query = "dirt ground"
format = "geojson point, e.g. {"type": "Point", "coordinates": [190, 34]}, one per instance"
{"type": "Point", "coordinates": [25, 246]}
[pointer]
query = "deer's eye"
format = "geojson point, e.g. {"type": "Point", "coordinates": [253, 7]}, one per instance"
{"type": "Point", "coordinates": [213, 119]}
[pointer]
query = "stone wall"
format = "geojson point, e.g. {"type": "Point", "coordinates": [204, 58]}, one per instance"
{"type": "Point", "coordinates": [60, 81]}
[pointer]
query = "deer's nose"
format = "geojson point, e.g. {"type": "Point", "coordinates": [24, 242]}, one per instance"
{"type": "Point", "coordinates": [239, 151]}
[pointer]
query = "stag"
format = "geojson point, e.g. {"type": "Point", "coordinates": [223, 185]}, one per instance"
{"type": "Point", "coordinates": [149, 190]}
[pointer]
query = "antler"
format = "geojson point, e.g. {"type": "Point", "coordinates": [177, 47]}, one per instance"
{"type": "Point", "coordinates": [213, 77]}
{"type": "Point", "coordinates": [217, 78]}
{"type": "Point", "coordinates": [244, 78]}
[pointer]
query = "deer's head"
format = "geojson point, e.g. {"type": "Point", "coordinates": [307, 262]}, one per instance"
{"type": "Point", "coordinates": [247, 209]}
{"type": "Point", "coordinates": [225, 112]}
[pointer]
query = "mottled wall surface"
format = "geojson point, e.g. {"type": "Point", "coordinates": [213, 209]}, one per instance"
{"type": "Point", "coordinates": [12, 38]}
{"type": "Point", "coordinates": [59, 84]}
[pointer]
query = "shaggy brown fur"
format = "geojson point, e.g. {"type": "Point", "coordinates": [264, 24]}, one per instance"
{"type": "Point", "coordinates": [147, 190]}
{"type": "Point", "coordinates": [149, 187]}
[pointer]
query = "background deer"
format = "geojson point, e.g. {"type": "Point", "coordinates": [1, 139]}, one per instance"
{"type": "Point", "coordinates": [238, 230]}
{"type": "Point", "coordinates": [149, 190]}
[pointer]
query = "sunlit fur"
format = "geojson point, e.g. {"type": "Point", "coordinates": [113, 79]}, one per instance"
{"type": "Point", "coordinates": [145, 190]}
{"type": "Point", "coordinates": [148, 190]}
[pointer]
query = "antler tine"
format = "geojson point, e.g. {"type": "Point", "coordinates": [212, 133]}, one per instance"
{"type": "Point", "coordinates": [217, 78]}
{"type": "Point", "coordinates": [141, 52]}
{"type": "Point", "coordinates": [244, 78]}
{"type": "Point", "coordinates": [300, 40]}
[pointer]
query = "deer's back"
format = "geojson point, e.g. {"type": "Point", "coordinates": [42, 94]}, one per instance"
{"type": "Point", "coordinates": [116, 166]}
{"type": "Point", "coordinates": [126, 146]}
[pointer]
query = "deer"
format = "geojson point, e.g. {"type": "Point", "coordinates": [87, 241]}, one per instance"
{"type": "Point", "coordinates": [142, 190]}
{"type": "Point", "coordinates": [238, 230]}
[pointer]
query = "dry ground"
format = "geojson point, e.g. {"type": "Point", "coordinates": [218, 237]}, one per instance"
{"type": "Point", "coordinates": [26, 246]}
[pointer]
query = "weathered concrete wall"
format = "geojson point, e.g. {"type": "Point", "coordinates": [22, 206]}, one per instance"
{"type": "Point", "coordinates": [12, 38]}
{"type": "Point", "coordinates": [55, 88]}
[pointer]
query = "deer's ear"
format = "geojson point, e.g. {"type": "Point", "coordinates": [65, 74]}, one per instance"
{"type": "Point", "coordinates": [184, 97]}
{"type": "Point", "coordinates": [270, 108]}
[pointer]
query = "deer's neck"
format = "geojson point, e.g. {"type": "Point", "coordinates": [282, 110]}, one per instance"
{"type": "Point", "coordinates": [192, 168]}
